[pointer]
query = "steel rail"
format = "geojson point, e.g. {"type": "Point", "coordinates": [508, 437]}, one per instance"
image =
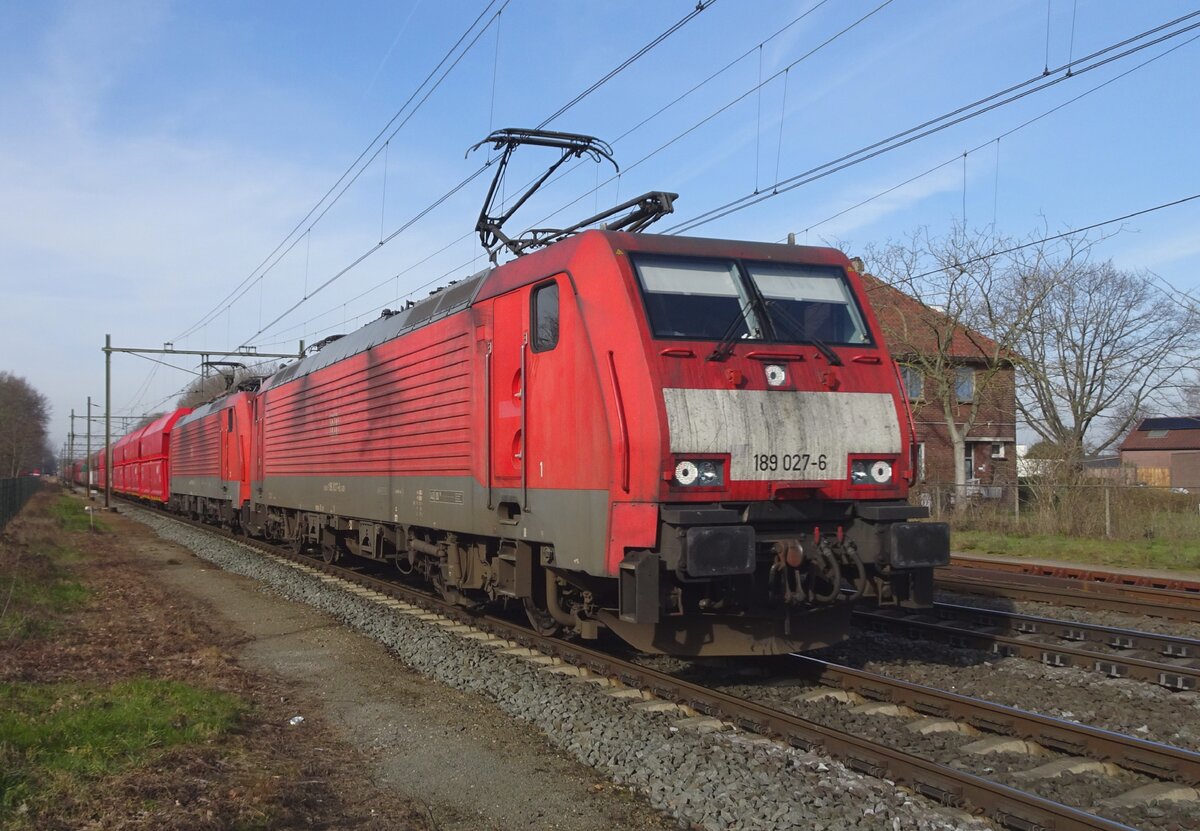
{"type": "Point", "coordinates": [1161, 761]}
{"type": "Point", "coordinates": [1172, 676]}
{"type": "Point", "coordinates": [1014, 623]}
{"type": "Point", "coordinates": [1061, 591]}
{"type": "Point", "coordinates": [1008, 806]}
{"type": "Point", "coordinates": [1081, 573]}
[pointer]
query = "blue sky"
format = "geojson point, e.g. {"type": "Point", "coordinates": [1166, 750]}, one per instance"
{"type": "Point", "coordinates": [152, 154]}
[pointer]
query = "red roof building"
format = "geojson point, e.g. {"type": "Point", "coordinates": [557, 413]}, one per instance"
{"type": "Point", "coordinates": [984, 384]}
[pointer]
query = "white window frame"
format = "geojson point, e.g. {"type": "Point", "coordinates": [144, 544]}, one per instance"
{"type": "Point", "coordinates": [966, 373]}
{"type": "Point", "coordinates": [905, 372]}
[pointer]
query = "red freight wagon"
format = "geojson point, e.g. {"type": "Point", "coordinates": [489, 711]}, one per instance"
{"type": "Point", "coordinates": [153, 461]}
{"type": "Point", "coordinates": [127, 457]}
{"type": "Point", "coordinates": [101, 469]}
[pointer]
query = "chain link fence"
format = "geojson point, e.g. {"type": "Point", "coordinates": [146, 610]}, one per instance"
{"type": "Point", "coordinates": [1085, 507]}
{"type": "Point", "coordinates": [14, 493]}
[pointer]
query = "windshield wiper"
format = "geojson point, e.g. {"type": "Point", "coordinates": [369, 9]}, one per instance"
{"type": "Point", "coordinates": [724, 347]}
{"type": "Point", "coordinates": [829, 354]}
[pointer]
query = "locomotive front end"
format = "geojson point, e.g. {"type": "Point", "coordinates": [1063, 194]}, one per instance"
{"type": "Point", "coordinates": [786, 455]}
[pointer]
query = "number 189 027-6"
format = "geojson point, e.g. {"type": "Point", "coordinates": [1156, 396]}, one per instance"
{"type": "Point", "coordinates": [789, 462]}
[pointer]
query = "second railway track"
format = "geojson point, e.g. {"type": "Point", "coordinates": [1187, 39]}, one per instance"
{"type": "Point", "coordinates": [1172, 600]}
{"type": "Point", "coordinates": [1169, 661]}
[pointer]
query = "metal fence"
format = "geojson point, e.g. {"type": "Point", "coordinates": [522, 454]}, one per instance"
{"type": "Point", "coordinates": [14, 493]}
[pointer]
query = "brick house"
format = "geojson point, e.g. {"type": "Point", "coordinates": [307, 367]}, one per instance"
{"type": "Point", "coordinates": [1165, 451]}
{"type": "Point", "coordinates": [982, 383]}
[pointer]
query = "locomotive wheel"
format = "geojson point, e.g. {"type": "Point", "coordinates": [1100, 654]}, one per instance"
{"type": "Point", "coordinates": [541, 620]}
{"type": "Point", "coordinates": [329, 551]}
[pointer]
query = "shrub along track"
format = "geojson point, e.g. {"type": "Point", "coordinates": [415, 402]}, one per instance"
{"type": "Point", "coordinates": [709, 708]}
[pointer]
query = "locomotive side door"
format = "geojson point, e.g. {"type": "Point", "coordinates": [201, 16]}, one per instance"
{"type": "Point", "coordinates": [507, 404]}
{"type": "Point", "coordinates": [229, 452]}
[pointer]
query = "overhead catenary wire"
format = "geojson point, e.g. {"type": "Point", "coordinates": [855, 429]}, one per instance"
{"type": "Point", "coordinates": [963, 264]}
{"type": "Point", "coordinates": [743, 96]}
{"type": "Point", "coordinates": [230, 298]}
{"type": "Point", "coordinates": [1003, 135]}
{"type": "Point", "coordinates": [694, 88]}
{"type": "Point", "coordinates": [565, 108]}
{"type": "Point", "coordinates": [966, 112]}
{"type": "Point", "coordinates": [361, 170]}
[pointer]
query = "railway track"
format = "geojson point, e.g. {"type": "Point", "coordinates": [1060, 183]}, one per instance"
{"type": "Point", "coordinates": [1172, 662]}
{"type": "Point", "coordinates": [1146, 600]}
{"type": "Point", "coordinates": [1076, 740]}
{"type": "Point", "coordinates": [1083, 575]}
{"type": "Point", "coordinates": [1008, 806]}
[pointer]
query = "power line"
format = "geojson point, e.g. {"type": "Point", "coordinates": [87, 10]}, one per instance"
{"type": "Point", "coordinates": [701, 6]}
{"type": "Point", "coordinates": [566, 172]}
{"type": "Point", "coordinates": [972, 260]}
{"type": "Point", "coordinates": [1004, 134]}
{"type": "Point", "coordinates": [946, 120]}
{"type": "Point", "coordinates": [230, 298]}
{"type": "Point", "coordinates": [743, 96]}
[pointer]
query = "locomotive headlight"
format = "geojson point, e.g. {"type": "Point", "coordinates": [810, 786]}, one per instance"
{"type": "Point", "coordinates": [686, 473]}
{"type": "Point", "coordinates": [699, 473]}
{"type": "Point", "coordinates": [870, 472]}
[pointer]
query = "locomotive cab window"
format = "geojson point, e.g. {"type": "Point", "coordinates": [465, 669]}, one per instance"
{"type": "Point", "coordinates": [807, 303]}
{"type": "Point", "coordinates": [700, 299]}
{"type": "Point", "coordinates": [545, 317]}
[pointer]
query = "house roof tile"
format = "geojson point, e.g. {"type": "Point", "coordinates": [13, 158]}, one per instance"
{"type": "Point", "coordinates": [913, 328]}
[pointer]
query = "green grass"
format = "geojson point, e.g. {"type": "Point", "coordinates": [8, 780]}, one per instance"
{"type": "Point", "coordinates": [35, 600]}
{"type": "Point", "coordinates": [71, 515]}
{"type": "Point", "coordinates": [1145, 553]}
{"type": "Point", "coordinates": [56, 738]}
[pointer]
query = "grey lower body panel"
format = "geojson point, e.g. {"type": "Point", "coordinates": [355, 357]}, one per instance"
{"type": "Point", "coordinates": [209, 487]}
{"type": "Point", "coordinates": [574, 521]}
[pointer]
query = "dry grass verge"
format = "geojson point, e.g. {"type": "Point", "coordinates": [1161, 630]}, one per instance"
{"type": "Point", "coordinates": [121, 706]}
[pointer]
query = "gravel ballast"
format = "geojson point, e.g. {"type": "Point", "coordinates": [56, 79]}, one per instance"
{"type": "Point", "coordinates": [716, 780]}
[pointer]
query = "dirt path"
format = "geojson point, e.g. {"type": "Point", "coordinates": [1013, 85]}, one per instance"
{"type": "Point", "coordinates": [466, 763]}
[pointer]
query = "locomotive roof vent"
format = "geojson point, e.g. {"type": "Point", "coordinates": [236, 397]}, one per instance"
{"type": "Point", "coordinates": [643, 210]}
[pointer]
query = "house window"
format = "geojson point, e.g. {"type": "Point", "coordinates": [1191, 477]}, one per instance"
{"type": "Point", "coordinates": [545, 317]}
{"type": "Point", "coordinates": [914, 382]}
{"type": "Point", "coordinates": [997, 450]}
{"type": "Point", "coordinates": [964, 384]}
{"type": "Point", "coordinates": [1157, 434]}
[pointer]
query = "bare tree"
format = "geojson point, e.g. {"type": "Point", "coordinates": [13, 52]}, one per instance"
{"type": "Point", "coordinates": [24, 417]}
{"type": "Point", "coordinates": [972, 309]}
{"type": "Point", "coordinates": [1190, 396]}
{"type": "Point", "coordinates": [1103, 347]}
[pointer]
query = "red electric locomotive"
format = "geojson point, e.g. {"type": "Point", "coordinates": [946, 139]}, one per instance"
{"type": "Point", "coordinates": [210, 459]}
{"type": "Point", "coordinates": [701, 445]}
